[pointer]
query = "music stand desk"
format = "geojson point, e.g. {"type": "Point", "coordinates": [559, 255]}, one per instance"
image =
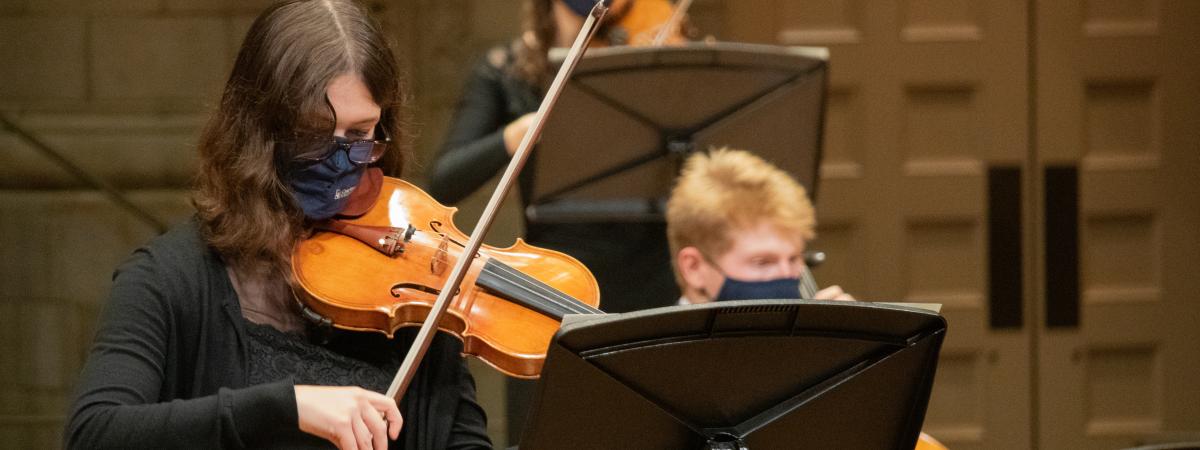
{"type": "Point", "coordinates": [629, 116]}
{"type": "Point", "coordinates": [758, 374]}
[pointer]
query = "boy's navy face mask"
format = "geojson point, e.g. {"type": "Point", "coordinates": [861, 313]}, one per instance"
{"type": "Point", "coordinates": [735, 289]}
{"type": "Point", "coordinates": [323, 188]}
{"type": "Point", "coordinates": [779, 288]}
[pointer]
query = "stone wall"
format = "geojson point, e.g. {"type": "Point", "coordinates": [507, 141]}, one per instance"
{"type": "Point", "coordinates": [120, 88]}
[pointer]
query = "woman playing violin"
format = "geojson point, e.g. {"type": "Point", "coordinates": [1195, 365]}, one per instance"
{"type": "Point", "coordinates": [202, 344]}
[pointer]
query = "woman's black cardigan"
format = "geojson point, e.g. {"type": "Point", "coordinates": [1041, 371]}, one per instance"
{"type": "Point", "coordinates": [168, 368]}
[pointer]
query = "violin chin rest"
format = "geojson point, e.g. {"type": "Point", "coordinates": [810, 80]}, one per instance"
{"type": "Point", "coordinates": [363, 198]}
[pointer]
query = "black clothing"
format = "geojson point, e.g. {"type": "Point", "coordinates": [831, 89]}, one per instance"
{"type": "Point", "coordinates": [171, 367]}
{"type": "Point", "coordinates": [474, 151]}
{"type": "Point", "coordinates": [276, 355]}
{"type": "Point", "coordinates": [630, 261]}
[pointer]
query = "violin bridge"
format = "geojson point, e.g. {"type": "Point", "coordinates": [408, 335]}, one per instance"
{"type": "Point", "coordinates": [441, 258]}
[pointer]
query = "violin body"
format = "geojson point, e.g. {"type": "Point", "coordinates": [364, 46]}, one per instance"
{"type": "Point", "coordinates": [501, 316]}
{"type": "Point", "coordinates": [642, 22]}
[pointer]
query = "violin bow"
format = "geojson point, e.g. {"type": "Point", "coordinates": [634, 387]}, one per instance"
{"type": "Point", "coordinates": [408, 368]}
{"type": "Point", "coordinates": [680, 10]}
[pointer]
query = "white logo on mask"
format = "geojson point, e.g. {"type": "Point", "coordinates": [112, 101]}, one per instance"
{"type": "Point", "coordinates": [343, 193]}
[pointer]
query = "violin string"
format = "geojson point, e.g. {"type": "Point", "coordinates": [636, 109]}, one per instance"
{"type": "Point", "coordinates": [547, 292]}
{"type": "Point", "coordinates": [808, 285]}
{"type": "Point", "coordinates": [530, 296]}
{"type": "Point", "coordinates": [557, 298]}
{"type": "Point", "coordinates": [535, 287]}
{"type": "Point", "coordinates": [499, 282]}
{"type": "Point", "coordinates": [551, 294]}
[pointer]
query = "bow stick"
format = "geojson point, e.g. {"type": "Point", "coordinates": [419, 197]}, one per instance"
{"type": "Point", "coordinates": [408, 368]}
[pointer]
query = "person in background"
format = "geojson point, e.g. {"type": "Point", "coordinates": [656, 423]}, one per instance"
{"type": "Point", "coordinates": [501, 94]}
{"type": "Point", "coordinates": [737, 228]}
{"type": "Point", "coordinates": [505, 87]}
{"type": "Point", "coordinates": [202, 343]}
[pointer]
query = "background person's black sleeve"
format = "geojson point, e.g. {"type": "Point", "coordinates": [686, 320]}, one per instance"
{"type": "Point", "coordinates": [473, 151]}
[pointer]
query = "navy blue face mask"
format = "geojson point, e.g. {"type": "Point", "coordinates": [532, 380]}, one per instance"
{"type": "Point", "coordinates": [734, 289]}
{"type": "Point", "coordinates": [582, 7]}
{"type": "Point", "coordinates": [323, 188]}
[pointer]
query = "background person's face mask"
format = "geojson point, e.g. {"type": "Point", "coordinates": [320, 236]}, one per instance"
{"type": "Point", "coordinates": [735, 289]}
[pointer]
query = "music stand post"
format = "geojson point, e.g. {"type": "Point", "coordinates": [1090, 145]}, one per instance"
{"type": "Point", "coordinates": [745, 375]}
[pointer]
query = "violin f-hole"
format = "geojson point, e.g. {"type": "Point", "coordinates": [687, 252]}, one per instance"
{"type": "Point", "coordinates": [399, 288]}
{"type": "Point", "coordinates": [435, 224]}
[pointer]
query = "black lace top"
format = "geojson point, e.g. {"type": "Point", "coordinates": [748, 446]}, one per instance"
{"type": "Point", "coordinates": [276, 355]}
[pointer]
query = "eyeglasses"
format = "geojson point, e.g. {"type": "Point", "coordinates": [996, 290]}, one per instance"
{"type": "Point", "coordinates": [365, 151]}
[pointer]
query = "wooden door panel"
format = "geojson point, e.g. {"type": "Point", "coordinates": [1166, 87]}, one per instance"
{"type": "Point", "coordinates": [1117, 92]}
{"type": "Point", "coordinates": [961, 403]}
{"type": "Point", "coordinates": [925, 96]}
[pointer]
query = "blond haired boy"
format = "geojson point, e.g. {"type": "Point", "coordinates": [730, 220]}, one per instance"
{"type": "Point", "coordinates": [737, 228]}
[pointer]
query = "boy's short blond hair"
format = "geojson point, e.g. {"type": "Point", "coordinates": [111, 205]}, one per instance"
{"type": "Point", "coordinates": [726, 190]}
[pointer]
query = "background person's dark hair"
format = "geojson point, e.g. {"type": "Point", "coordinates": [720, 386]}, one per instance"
{"type": "Point", "coordinates": [538, 31]}
{"type": "Point", "coordinates": [275, 92]}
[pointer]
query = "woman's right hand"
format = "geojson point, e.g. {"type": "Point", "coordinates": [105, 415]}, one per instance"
{"type": "Point", "coordinates": [515, 131]}
{"type": "Point", "coordinates": [349, 417]}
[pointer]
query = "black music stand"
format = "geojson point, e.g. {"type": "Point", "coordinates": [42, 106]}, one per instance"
{"type": "Point", "coordinates": [629, 116]}
{"type": "Point", "coordinates": [774, 374]}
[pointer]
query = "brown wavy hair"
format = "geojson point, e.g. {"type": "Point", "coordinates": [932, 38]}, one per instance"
{"type": "Point", "coordinates": [277, 87]}
{"type": "Point", "coordinates": [539, 30]}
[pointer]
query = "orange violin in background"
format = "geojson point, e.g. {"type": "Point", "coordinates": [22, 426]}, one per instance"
{"type": "Point", "coordinates": [384, 269]}
{"type": "Point", "coordinates": [645, 19]}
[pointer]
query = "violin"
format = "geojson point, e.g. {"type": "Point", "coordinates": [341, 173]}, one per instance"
{"type": "Point", "coordinates": [808, 283]}
{"type": "Point", "coordinates": [927, 442]}
{"type": "Point", "coordinates": [384, 269]}
{"type": "Point", "coordinates": [650, 22]}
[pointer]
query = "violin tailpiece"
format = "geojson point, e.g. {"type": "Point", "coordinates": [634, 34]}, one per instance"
{"type": "Point", "coordinates": [387, 240]}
